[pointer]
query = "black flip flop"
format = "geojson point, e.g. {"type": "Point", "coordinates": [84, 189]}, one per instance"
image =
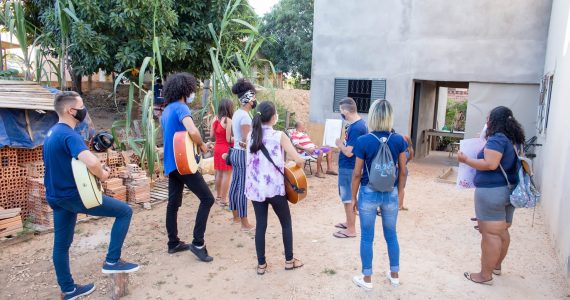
{"type": "Point", "coordinates": [341, 235]}
{"type": "Point", "coordinates": [487, 282]}
{"type": "Point", "coordinates": [474, 219]}
{"type": "Point", "coordinates": [340, 225]}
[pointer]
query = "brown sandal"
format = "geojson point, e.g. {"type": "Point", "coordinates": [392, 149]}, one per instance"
{"type": "Point", "coordinates": [293, 264]}
{"type": "Point", "coordinates": [261, 269]}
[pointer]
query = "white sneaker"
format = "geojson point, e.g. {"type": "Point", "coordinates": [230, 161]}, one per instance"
{"type": "Point", "coordinates": [359, 280]}
{"type": "Point", "coordinates": [393, 281]}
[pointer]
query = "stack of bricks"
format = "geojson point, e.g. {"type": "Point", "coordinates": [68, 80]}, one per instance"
{"type": "Point", "coordinates": [115, 159]}
{"type": "Point", "coordinates": [29, 155]}
{"type": "Point", "coordinates": [138, 184]}
{"type": "Point", "coordinates": [34, 169]}
{"type": "Point", "coordinates": [116, 163]}
{"type": "Point", "coordinates": [13, 192]}
{"type": "Point", "coordinates": [114, 188]}
{"type": "Point", "coordinates": [40, 212]}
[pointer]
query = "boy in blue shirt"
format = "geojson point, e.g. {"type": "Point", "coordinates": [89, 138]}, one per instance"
{"type": "Point", "coordinates": [355, 128]}
{"type": "Point", "coordinates": [61, 145]}
{"type": "Point", "coordinates": [177, 117]}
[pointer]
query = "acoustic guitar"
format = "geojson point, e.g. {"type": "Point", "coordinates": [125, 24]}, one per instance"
{"type": "Point", "coordinates": [88, 185]}
{"type": "Point", "coordinates": [186, 153]}
{"type": "Point", "coordinates": [295, 182]}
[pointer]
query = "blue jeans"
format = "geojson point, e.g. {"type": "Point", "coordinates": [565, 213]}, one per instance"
{"type": "Point", "coordinates": [64, 218]}
{"type": "Point", "coordinates": [345, 185]}
{"type": "Point", "coordinates": [368, 203]}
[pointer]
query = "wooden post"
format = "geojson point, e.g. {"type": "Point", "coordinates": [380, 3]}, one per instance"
{"type": "Point", "coordinates": [206, 93]}
{"type": "Point", "coordinates": [119, 285]}
{"type": "Point", "coordinates": [287, 119]}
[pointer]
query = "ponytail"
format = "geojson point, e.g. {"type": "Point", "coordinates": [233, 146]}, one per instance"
{"type": "Point", "coordinates": [256, 134]}
{"type": "Point", "coordinates": [265, 111]}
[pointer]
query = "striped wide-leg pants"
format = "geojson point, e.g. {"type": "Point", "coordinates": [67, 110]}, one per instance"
{"type": "Point", "coordinates": [238, 201]}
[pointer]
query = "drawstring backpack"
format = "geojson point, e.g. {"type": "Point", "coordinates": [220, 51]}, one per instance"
{"type": "Point", "coordinates": [525, 194]}
{"type": "Point", "coordinates": [382, 176]}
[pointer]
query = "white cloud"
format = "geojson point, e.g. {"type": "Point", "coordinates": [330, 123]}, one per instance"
{"type": "Point", "coordinates": [262, 6]}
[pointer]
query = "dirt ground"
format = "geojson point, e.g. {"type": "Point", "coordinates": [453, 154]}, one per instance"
{"type": "Point", "coordinates": [437, 240]}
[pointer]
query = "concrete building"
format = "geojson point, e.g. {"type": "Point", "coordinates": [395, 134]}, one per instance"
{"type": "Point", "coordinates": [406, 50]}
{"type": "Point", "coordinates": [552, 164]}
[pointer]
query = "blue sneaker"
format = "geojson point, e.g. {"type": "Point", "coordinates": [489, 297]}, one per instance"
{"type": "Point", "coordinates": [120, 266]}
{"type": "Point", "coordinates": [79, 291]}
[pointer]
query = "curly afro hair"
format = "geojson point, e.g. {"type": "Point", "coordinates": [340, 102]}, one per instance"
{"type": "Point", "coordinates": [179, 86]}
{"type": "Point", "coordinates": [241, 87]}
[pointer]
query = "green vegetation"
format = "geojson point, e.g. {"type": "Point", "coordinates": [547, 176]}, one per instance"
{"type": "Point", "coordinates": [289, 26]}
{"type": "Point", "coordinates": [453, 108]}
{"type": "Point", "coordinates": [217, 40]}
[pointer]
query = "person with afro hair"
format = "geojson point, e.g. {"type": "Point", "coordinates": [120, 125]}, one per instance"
{"type": "Point", "coordinates": [178, 117]}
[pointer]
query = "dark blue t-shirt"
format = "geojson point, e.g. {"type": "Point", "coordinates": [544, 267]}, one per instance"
{"type": "Point", "coordinates": [351, 134]}
{"type": "Point", "coordinates": [367, 147]}
{"type": "Point", "coordinates": [489, 179]}
{"type": "Point", "coordinates": [61, 144]}
{"type": "Point", "coordinates": [171, 122]}
{"type": "Point", "coordinates": [157, 98]}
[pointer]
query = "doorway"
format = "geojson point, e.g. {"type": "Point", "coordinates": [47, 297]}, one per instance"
{"type": "Point", "coordinates": [438, 115]}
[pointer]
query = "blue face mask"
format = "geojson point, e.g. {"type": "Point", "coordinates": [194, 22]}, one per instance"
{"type": "Point", "coordinates": [191, 98]}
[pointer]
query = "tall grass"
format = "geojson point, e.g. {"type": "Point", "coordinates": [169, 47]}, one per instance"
{"type": "Point", "coordinates": [232, 59]}
{"type": "Point", "coordinates": [145, 145]}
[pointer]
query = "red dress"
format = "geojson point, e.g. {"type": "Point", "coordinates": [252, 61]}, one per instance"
{"type": "Point", "coordinates": [220, 147]}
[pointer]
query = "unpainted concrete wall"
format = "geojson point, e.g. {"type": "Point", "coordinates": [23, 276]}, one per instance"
{"type": "Point", "coordinates": [522, 99]}
{"type": "Point", "coordinates": [553, 161]}
{"type": "Point", "coordinates": [438, 40]}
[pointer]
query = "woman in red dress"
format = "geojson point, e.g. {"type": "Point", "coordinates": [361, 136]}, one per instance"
{"type": "Point", "coordinates": [221, 132]}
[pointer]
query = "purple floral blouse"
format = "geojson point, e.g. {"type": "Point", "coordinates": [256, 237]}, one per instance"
{"type": "Point", "coordinates": [262, 180]}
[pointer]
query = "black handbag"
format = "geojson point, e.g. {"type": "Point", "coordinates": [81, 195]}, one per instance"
{"type": "Point", "coordinates": [228, 158]}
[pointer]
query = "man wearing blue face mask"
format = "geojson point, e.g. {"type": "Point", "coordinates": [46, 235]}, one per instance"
{"type": "Point", "coordinates": [354, 128]}
{"type": "Point", "coordinates": [61, 145]}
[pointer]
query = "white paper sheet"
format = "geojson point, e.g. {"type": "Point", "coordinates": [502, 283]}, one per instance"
{"type": "Point", "coordinates": [333, 131]}
{"type": "Point", "coordinates": [466, 174]}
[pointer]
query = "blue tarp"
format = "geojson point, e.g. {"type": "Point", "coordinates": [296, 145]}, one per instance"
{"type": "Point", "coordinates": [14, 128]}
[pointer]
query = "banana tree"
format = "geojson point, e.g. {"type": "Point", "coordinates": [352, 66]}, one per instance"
{"type": "Point", "coordinates": [144, 146]}
{"type": "Point", "coordinates": [234, 53]}
{"type": "Point", "coordinates": [14, 19]}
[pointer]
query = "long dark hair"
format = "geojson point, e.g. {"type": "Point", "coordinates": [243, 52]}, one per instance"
{"type": "Point", "coordinates": [178, 86]}
{"type": "Point", "coordinates": [265, 111]}
{"type": "Point", "coordinates": [501, 120]}
{"type": "Point", "coordinates": [225, 109]}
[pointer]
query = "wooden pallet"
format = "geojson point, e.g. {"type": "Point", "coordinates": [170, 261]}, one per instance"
{"type": "Point", "coordinates": [159, 192]}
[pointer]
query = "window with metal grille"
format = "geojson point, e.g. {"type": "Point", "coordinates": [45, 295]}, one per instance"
{"type": "Point", "coordinates": [363, 91]}
{"type": "Point", "coordinates": [360, 91]}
